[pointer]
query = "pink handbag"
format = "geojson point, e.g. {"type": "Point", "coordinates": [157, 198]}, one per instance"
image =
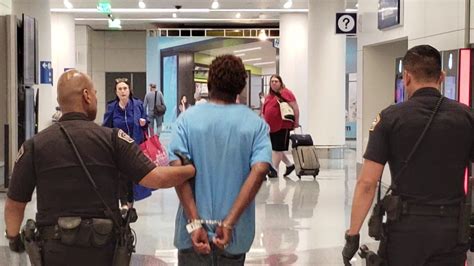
{"type": "Point", "coordinates": [154, 150]}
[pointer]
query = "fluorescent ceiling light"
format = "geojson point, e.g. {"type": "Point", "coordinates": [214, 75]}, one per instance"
{"type": "Point", "coordinates": [252, 59]}
{"type": "Point", "coordinates": [171, 10]}
{"type": "Point", "coordinates": [240, 55]}
{"type": "Point", "coordinates": [215, 4]}
{"type": "Point", "coordinates": [288, 4]}
{"type": "Point", "coordinates": [141, 4]}
{"type": "Point", "coordinates": [68, 4]}
{"type": "Point", "coordinates": [264, 63]}
{"type": "Point", "coordinates": [351, 10]}
{"type": "Point", "coordinates": [248, 49]}
{"type": "Point", "coordinates": [237, 15]}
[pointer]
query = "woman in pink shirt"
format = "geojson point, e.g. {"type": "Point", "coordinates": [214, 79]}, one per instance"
{"type": "Point", "coordinates": [279, 128]}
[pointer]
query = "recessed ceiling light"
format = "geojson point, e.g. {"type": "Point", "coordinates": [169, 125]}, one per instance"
{"type": "Point", "coordinates": [68, 4]}
{"type": "Point", "coordinates": [248, 49]}
{"type": "Point", "coordinates": [252, 59]}
{"type": "Point", "coordinates": [141, 4]}
{"type": "Point", "coordinates": [215, 4]}
{"type": "Point", "coordinates": [175, 15]}
{"type": "Point", "coordinates": [288, 4]}
{"type": "Point", "coordinates": [237, 15]}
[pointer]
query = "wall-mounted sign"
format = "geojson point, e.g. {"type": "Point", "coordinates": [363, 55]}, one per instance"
{"type": "Point", "coordinates": [104, 7]}
{"type": "Point", "coordinates": [46, 72]}
{"type": "Point", "coordinates": [346, 23]}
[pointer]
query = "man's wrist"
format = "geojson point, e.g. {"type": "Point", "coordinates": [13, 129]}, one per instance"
{"type": "Point", "coordinates": [193, 226]}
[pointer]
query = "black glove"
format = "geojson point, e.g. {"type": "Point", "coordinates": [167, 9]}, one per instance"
{"type": "Point", "coordinates": [350, 249]}
{"type": "Point", "coordinates": [16, 244]}
{"type": "Point", "coordinates": [184, 160]}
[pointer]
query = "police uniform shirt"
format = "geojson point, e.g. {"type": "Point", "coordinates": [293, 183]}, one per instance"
{"type": "Point", "coordinates": [48, 162]}
{"type": "Point", "coordinates": [435, 173]}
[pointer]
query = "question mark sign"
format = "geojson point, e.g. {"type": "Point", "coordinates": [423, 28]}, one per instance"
{"type": "Point", "coordinates": [346, 21]}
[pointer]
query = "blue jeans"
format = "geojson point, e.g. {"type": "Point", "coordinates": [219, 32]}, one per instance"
{"type": "Point", "coordinates": [217, 257]}
{"type": "Point", "coordinates": [159, 122]}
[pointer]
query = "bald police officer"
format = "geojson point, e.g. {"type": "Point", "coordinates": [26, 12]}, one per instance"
{"type": "Point", "coordinates": [430, 187]}
{"type": "Point", "coordinates": [48, 163]}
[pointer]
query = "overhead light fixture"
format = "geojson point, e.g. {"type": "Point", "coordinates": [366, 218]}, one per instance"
{"type": "Point", "coordinates": [215, 4]}
{"type": "Point", "coordinates": [68, 4]}
{"type": "Point", "coordinates": [171, 10]}
{"type": "Point", "coordinates": [181, 19]}
{"type": "Point", "coordinates": [351, 10]}
{"type": "Point", "coordinates": [264, 63]}
{"type": "Point", "coordinates": [237, 15]}
{"type": "Point", "coordinates": [248, 49]}
{"type": "Point", "coordinates": [240, 55]}
{"type": "Point", "coordinates": [288, 4]}
{"type": "Point", "coordinates": [175, 15]}
{"type": "Point", "coordinates": [141, 4]}
{"type": "Point", "coordinates": [262, 35]}
{"type": "Point", "coordinates": [252, 59]}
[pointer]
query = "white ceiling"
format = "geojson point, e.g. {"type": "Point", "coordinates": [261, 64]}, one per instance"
{"type": "Point", "coordinates": [266, 54]}
{"type": "Point", "coordinates": [266, 12]}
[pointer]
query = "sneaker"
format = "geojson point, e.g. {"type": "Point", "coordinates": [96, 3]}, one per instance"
{"type": "Point", "coordinates": [272, 173]}
{"type": "Point", "coordinates": [289, 169]}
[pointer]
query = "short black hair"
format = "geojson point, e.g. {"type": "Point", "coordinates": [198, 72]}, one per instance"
{"type": "Point", "coordinates": [227, 78]}
{"type": "Point", "coordinates": [423, 62]}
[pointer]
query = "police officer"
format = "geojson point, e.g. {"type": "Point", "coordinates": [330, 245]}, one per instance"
{"type": "Point", "coordinates": [48, 163]}
{"type": "Point", "coordinates": [431, 186]}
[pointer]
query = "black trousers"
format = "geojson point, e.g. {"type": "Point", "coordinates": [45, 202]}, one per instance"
{"type": "Point", "coordinates": [423, 240]}
{"type": "Point", "coordinates": [189, 257]}
{"type": "Point", "coordinates": [55, 254]}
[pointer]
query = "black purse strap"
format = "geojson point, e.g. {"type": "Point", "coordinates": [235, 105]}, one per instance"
{"type": "Point", "coordinates": [154, 103]}
{"type": "Point", "coordinates": [395, 181]}
{"type": "Point", "coordinates": [108, 211]}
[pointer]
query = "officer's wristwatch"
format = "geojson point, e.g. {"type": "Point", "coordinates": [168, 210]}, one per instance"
{"type": "Point", "coordinates": [10, 238]}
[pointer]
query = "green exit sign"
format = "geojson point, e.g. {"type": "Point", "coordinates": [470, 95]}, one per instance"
{"type": "Point", "coordinates": [104, 7]}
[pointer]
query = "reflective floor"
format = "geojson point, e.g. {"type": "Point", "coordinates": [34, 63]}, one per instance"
{"type": "Point", "coordinates": [298, 222]}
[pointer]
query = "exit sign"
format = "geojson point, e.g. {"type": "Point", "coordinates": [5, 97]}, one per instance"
{"type": "Point", "coordinates": [104, 7]}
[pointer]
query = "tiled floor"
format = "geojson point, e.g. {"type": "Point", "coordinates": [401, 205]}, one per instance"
{"type": "Point", "coordinates": [299, 222]}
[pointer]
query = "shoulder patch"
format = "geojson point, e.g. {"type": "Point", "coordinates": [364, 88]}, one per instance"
{"type": "Point", "coordinates": [375, 122]}
{"type": "Point", "coordinates": [122, 135]}
{"type": "Point", "coordinates": [21, 151]}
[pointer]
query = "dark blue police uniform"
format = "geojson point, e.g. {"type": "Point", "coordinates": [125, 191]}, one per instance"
{"type": "Point", "coordinates": [433, 180]}
{"type": "Point", "coordinates": [48, 163]}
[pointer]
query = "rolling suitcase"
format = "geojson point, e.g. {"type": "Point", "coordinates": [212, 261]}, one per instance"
{"type": "Point", "coordinates": [304, 155]}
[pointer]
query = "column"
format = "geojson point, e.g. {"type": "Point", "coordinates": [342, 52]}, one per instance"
{"type": "Point", "coordinates": [40, 10]}
{"type": "Point", "coordinates": [293, 61]}
{"type": "Point", "coordinates": [63, 46]}
{"type": "Point", "coordinates": [326, 74]}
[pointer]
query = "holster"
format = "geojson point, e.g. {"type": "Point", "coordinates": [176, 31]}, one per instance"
{"type": "Point", "coordinates": [376, 222]}
{"type": "Point", "coordinates": [371, 258]}
{"type": "Point", "coordinates": [30, 237]}
{"type": "Point", "coordinates": [124, 247]}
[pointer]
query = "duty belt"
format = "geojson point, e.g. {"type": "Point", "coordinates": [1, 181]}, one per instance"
{"type": "Point", "coordinates": [430, 210]}
{"type": "Point", "coordinates": [50, 232]}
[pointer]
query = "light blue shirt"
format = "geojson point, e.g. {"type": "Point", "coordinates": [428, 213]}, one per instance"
{"type": "Point", "coordinates": [224, 141]}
